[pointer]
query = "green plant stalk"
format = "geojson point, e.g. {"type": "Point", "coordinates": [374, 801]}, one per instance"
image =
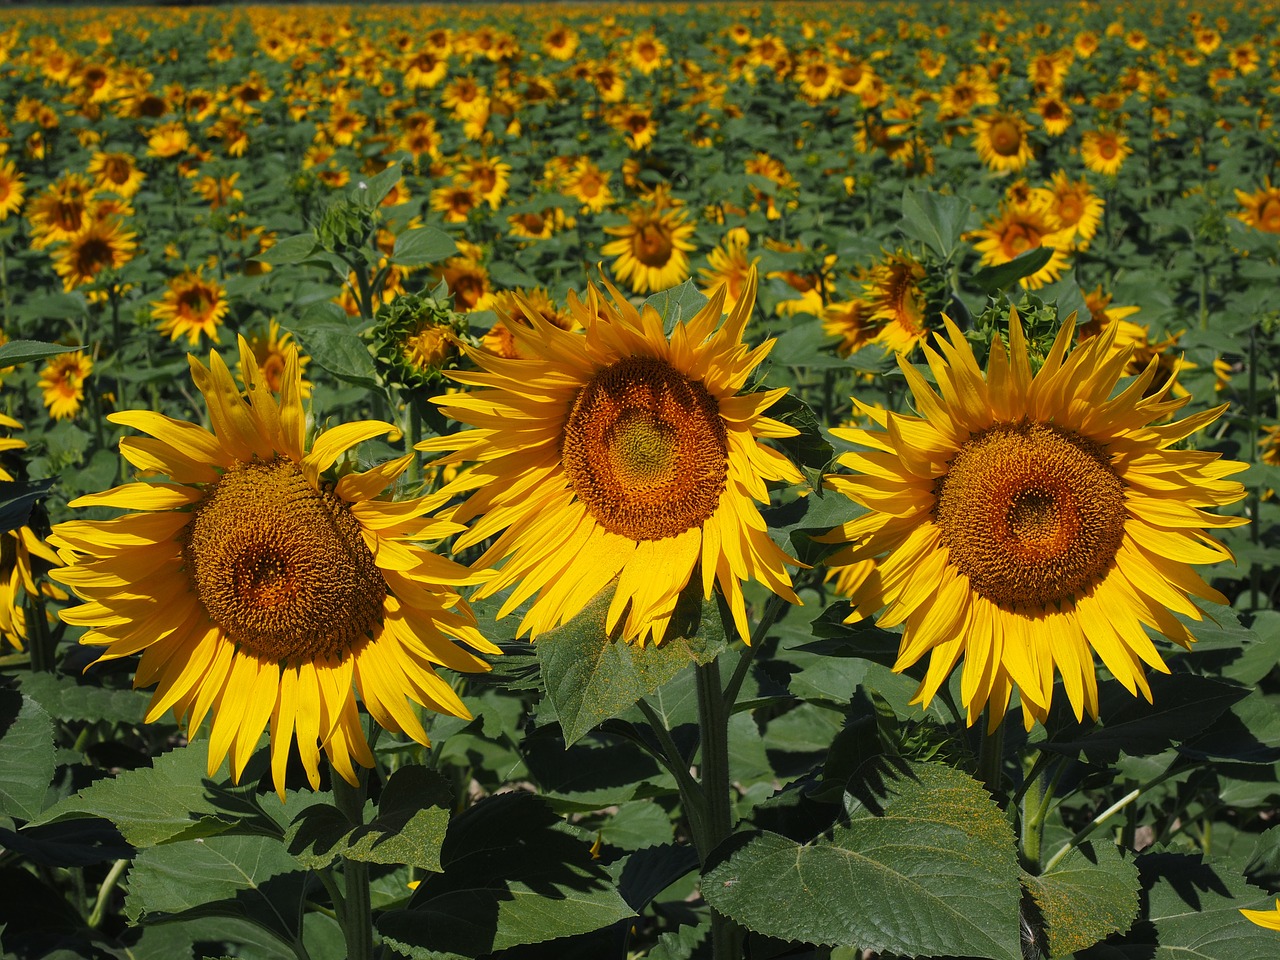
{"type": "Point", "coordinates": [104, 894]}
{"type": "Point", "coordinates": [357, 912]}
{"type": "Point", "coordinates": [991, 755]}
{"type": "Point", "coordinates": [713, 721]}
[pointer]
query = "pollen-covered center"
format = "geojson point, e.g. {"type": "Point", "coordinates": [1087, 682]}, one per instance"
{"type": "Point", "coordinates": [281, 567]}
{"type": "Point", "coordinates": [646, 450]}
{"type": "Point", "coordinates": [1031, 513]}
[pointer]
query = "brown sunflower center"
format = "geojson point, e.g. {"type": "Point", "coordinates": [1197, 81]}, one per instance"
{"type": "Point", "coordinates": [1006, 138]}
{"type": "Point", "coordinates": [653, 245]}
{"type": "Point", "coordinates": [281, 566]}
{"type": "Point", "coordinates": [1070, 208]}
{"type": "Point", "coordinates": [646, 450]}
{"type": "Point", "coordinates": [1031, 513]}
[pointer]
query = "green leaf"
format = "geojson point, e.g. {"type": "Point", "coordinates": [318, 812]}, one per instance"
{"type": "Point", "coordinates": [995, 278]}
{"type": "Point", "coordinates": [369, 192]}
{"type": "Point", "coordinates": [171, 799]}
{"type": "Point", "coordinates": [17, 497]}
{"type": "Point", "coordinates": [421, 246]}
{"type": "Point", "coordinates": [67, 699]}
{"type": "Point", "coordinates": [413, 813]}
{"type": "Point", "coordinates": [26, 755]}
{"type": "Point", "coordinates": [514, 874]}
{"type": "Point", "coordinates": [27, 351]}
{"type": "Point", "coordinates": [1091, 894]}
{"type": "Point", "coordinates": [290, 250]}
{"type": "Point", "coordinates": [329, 337]}
{"type": "Point", "coordinates": [591, 677]}
{"type": "Point", "coordinates": [1193, 913]}
{"type": "Point", "coordinates": [936, 220]}
{"type": "Point", "coordinates": [1182, 706]}
{"type": "Point", "coordinates": [808, 449]}
{"type": "Point", "coordinates": [677, 305]}
{"type": "Point", "coordinates": [246, 878]}
{"type": "Point", "coordinates": [926, 868]}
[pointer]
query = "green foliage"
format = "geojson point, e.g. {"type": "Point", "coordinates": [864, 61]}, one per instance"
{"type": "Point", "coordinates": [925, 865]}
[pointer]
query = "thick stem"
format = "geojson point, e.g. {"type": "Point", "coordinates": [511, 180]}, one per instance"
{"type": "Point", "coordinates": [713, 719]}
{"type": "Point", "coordinates": [991, 755]}
{"type": "Point", "coordinates": [357, 913]}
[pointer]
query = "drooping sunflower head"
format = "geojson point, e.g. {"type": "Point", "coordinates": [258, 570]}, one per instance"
{"type": "Point", "coordinates": [1026, 522]}
{"type": "Point", "coordinates": [264, 589]}
{"type": "Point", "coordinates": [620, 455]}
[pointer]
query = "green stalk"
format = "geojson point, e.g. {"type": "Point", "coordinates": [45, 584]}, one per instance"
{"type": "Point", "coordinates": [104, 894]}
{"type": "Point", "coordinates": [991, 755]}
{"type": "Point", "coordinates": [713, 719]}
{"type": "Point", "coordinates": [357, 912]}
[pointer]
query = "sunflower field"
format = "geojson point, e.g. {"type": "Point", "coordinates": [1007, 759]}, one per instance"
{"type": "Point", "coordinates": [669, 481]}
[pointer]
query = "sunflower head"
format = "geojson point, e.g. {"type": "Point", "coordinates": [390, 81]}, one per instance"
{"type": "Point", "coordinates": [415, 338]}
{"type": "Point", "coordinates": [1030, 519]}
{"type": "Point", "coordinates": [621, 457]}
{"type": "Point", "coordinates": [265, 588]}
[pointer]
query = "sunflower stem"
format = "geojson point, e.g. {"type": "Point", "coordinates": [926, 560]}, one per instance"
{"type": "Point", "coordinates": [713, 721]}
{"type": "Point", "coordinates": [357, 913]}
{"type": "Point", "coordinates": [691, 796]}
{"type": "Point", "coordinates": [104, 894]}
{"type": "Point", "coordinates": [991, 754]}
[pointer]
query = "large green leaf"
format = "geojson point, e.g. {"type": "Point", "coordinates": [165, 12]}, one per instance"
{"type": "Point", "coordinates": [26, 351]}
{"type": "Point", "coordinates": [246, 878]}
{"type": "Point", "coordinates": [1091, 894]}
{"type": "Point", "coordinates": [935, 219]}
{"type": "Point", "coordinates": [289, 250]}
{"type": "Point", "coordinates": [67, 699]}
{"type": "Point", "coordinates": [17, 497]}
{"type": "Point", "coordinates": [514, 874]}
{"type": "Point", "coordinates": [333, 342]}
{"type": "Point", "coordinates": [26, 755]}
{"type": "Point", "coordinates": [591, 677]}
{"type": "Point", "coordinates": [421, 246]}
{"type": "Point", "coordinates": [1193, 913]}
{"type": "Point", "coordinates": [925, 868]}
{"type": "Point", "coordinates": [677, 305]}
{"type": "Point", "coordinates": [995, 278]}
{"type": "Point", "coordinates": [171, 799]}
{"type": "Point", "coordinates": [413, 813]}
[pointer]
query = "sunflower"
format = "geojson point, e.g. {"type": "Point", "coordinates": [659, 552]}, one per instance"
{"type": "Point", "coordinates": [513, 307]}
{"type": "Point", "coordinates": [60, 211]}
{"type": "Point", "coordinates": [646, 53]}
{"type": "Point", "coordinates": [620, 455]}
{"type": "Point", "coordinates": [1268, 919]}
{"type": "Point", "coordinates": [117, 172]}
{"type": "Point", "coordinates": [168, 140]}
{"type": "Point", "coordinates": [271, 348]}
{"type": "Point", "coordinates": [1102, 315]}
{"type": "Point", "coordinates": [560, 42]}
{"type": "Point", "coordinates": [1072, 207]}
{"type": "Point", "coordinates": [896, 302]}
{"type": "Point", "coordinates": [1055, 115]}
{"type": "Point", "coordinates": [455, 201]}
{"type": "Point", "coordinates": [103, 245]}
{"type": "Point", "coordinates": [1104, 151]}
{"type": "Point", "coordinates": [11, 189]}
{"type": "Point", "coordinates": [488, 178]}
{"type": "Point", "coordinates": [62, 382]}
{"type": "Point", "coordinates": [728, 266]}
{"type": "Point", "coordinates": [1026, 522]}
{"type": "Point", "coordinates": [1001, 141]}
{"type": "Point", "coordinates": [1017, 229]}
{"type": "Point", "coordinates": [1261, 209]}
{"type": "Point", "coordinates": [589, 185]}
{"type": "Point", "coordinates": [651, 248]}
{"type": "Point", "coordinates": [264, 592]}
{"type": "Point", "coordinates": [191, 306]}
{"type": "Point", "coordinates": [22, 556]}
{"type": "Point", "coordinates": [850, 320]}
